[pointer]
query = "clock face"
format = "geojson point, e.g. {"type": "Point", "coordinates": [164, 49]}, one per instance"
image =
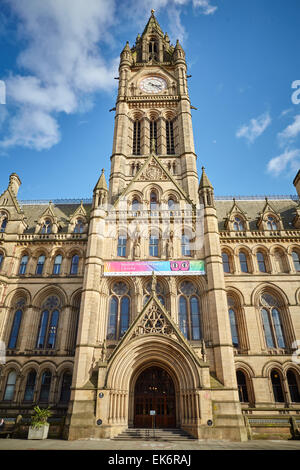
{"type": "Point", "coordinates": [153, 85]}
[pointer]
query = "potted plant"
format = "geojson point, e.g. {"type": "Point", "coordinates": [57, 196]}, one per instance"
{"type": "Point", "coordinates": [39, 426]}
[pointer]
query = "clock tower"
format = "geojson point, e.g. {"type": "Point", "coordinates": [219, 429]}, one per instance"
{"type": "Point", "coordinates": [153, 106]}
{"type": "Point", "coordinates": [154, 332]}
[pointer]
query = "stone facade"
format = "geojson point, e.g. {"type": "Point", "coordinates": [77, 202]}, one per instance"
{"type": "Point", "coordinates": [210, 348]}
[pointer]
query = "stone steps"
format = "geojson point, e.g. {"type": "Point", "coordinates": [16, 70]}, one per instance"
{"type": "Point", "coordinates": [153, 435]}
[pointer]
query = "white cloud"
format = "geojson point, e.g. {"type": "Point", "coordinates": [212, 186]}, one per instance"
{"type": "Point", "coordinates": [63, 63]}
{"type": "Point", "coordinates": [289, 158]}
{"type": "Point", "coordinates": [255, 128]}
{"type": "Point", "coordinates": [291, 131]}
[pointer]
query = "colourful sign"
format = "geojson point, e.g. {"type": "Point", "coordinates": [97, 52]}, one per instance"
{"type": "Point", "coordinates": [160, 268]}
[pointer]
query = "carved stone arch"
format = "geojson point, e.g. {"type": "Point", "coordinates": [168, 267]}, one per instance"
{"type": "Point", "coordinates": [236, 294]}
{"type": "Point", "coordinates": [289, 365]}
{"type": "Point", "coordinates": [65, 366]}
{"type": "Point", "coordinates": [75, 297]}
{"type": "Point", "coordinates": [293, 247]}
{"type": "Point", "coordinates": [75, 250]}
{"type": "Point", "coordinates": [269, 366]}
{"type": "Point", "coordinates": [154, 114]}
{"type": "Point", "coordinates": [169, 114]}
{"type": "Point", "coordinates": [246, 368]}
{"type": "Point", "coordinates": [58, 251]}
{"type": "Point", "coordinates": [10, 366]}
{"type": "Point", "coordinates": [276, 246]}
{"type": "Point", "coordinates": [242, 247]}
{"type": "Point", "coordinates": [28, 366]}
{"type": "Point", "coordinates": [249, 256]}
{"type": "Point", "coordinates": [152, 187]}
{"type": "Point", "coordinates": [271, 288]}
{"type": "Point", "coordinates": [137, 115]}
{"type": "Point", "coordinates": [47, 291]}
{"type": "Point", "coordinates": [171, 194]}
{"type": "Point", "coordinates": [17, 294]}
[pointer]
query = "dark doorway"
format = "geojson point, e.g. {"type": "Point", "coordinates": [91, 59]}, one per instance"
{"type": "Point", "coordinates": [154, 390]}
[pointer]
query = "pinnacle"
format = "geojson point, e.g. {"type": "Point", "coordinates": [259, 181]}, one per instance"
{"type": "Point", "coordinates": [204, 181]}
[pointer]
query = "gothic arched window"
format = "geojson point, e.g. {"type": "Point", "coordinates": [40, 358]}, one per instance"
{"type": "Point", "coordinates": [10, 386]}
{"type": "Point", "coordinates": [293, 386]}
{"type": "Point", "coordinates": [47, 226]}
{"type": "Point", "coordinates": [271, 223]}
{"type": "Point", "coordinates": [153, 50]}
{"type": "Point", "coordinates": [189, 311]}
{"type": "Point", "coordinates": [40, 265]}
{"type": "Point", "coordinates": [243, 262]}
{"type": "Point", "coordinates": [57, 264]}
{"type": "Point", "coordinates": [271, 320]}
{"type": "Point", "coordinates": [136, 145]}
{"type": "Point", "coordinates": [170, 138]}
{"type": "Point", "coordinates": [79, 226]}
{"type": "Point", "coordinates": [153, 134]}
{"type": "Point", "coordinates": [48, 324]}
{"type": "Point", "coordinates": [153, 201]}
{"type": "Point", "coordinates": [226, 262]}
{"type": "Point", "coordinates": [159, 289]}
{"type": "Point", "coordinates": [119, 311]}
{"type": "Point", "coordinates": [23, 264]}
{"type": "Point", "coordinates": [74, 264]}
{"type": "Point", "coordinates": [1, 259]}
{"type": "Point", "coordinates": [242, 387]}
{"type": "Point", "coordinates": [16, 324]}
{"type": "Point", "coordinates": [261, 262]}
{"type": "Point", "coordinates": [45, 386]}
{"type": "Point", "coordinates": [296, 260]}
{"type": "Point", "coordinates": [65, 390]}
{"type": "Point", "coordinates": [3, 221]}
{"type": "Point", "coordinates": [233, 328]}
{"type": "Point", "coordinates": [238, 224]}
{"type": "Point", "coordinates": [277, 386]}
{"type": "Point", "coordinates": [30, 385]}
{"type": "Point", "coordinates": [279, 261]}
{"type": "Point", "coordinates": [121, 249]}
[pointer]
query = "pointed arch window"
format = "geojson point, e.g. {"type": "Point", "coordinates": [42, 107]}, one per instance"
{"type": "Point", "coordinates": [226, 262]}
{"type": "Point", "coordinates": [48, 324]}
{"type": "Point", "coordinates": [277, 386]}
{"type": "Point", "coordinates": [153, 134]}
{"type": "Point", "coordinates": [1, 259]}
{"type": "Point", "coordinates": [65, 391]}
{"type": "Point", "coordinates": [119, 311]}
{"type": "Point", "coordinates": [3, 221]}
{"type": "Point", "coordinates": [74, 264]}
{"type": "Point", "coordinates": [45, 386]}
{"type": "Point", "coordinates": [30, 386]}
{"type": "Point", "coordinates": [296, 260]}
{"type": "Point", "coordinates": [272, 323]}
{"type": "Point", "coordinates": [136, 146]}
{"type": "Point", "coordinates": [242, 387]}
{"type": "Point", "coordinates": [79, 226]}
{"type": "Point", "coordinates": [243, 262]}
{"type": "Point", "coordinates": [57, 264]}
{"type": "Point", "coordinates": [170, 138]}
{"type": "Point", "coordinates": [135, 205]}
{"type": "Point", "coordinates": [15, 329]}
{"type": "Point", "coordinates": [261, 262]}
{"type": "Point", "coordinates": [189, 312]}
{"type": "Point", "coordinates": [23, 264]}
{"type": "Point", "coordinates": [293, 386]}
{"type": "Point", "coordinates": [46, 227]}
{"type": "Point", "coordinates": [10, 386]}
{"type": "Point", "coordinates": [271, 223]}
{"type": "Point", "coordinates": [233, 328]}
{"type": "Point", "coordinates": [238, 224]}
{"type": "Point", "coordinates": [153, 201]}
{"type": "Point", "coordinates": [153, 50]}
{"type": "Point", "coordinates": [40, 265]}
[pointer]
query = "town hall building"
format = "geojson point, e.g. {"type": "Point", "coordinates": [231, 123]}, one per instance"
{"type": "Point", "coordinates": [155, 302]}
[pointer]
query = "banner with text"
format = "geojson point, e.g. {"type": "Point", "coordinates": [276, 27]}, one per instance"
{"type": "Point", "coordinates": [160, 268]}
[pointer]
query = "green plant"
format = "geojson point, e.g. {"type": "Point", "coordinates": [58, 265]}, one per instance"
{"type": "Point", "coordinates": [40, 416]}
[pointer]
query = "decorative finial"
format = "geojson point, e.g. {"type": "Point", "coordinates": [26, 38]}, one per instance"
{"type": "Point", "coordinates": [152, 11]}
{"type": "Point", "coordinates": [102, 170]}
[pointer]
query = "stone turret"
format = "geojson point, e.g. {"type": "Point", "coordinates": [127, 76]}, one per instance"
{"type": "Point", "coordinates": [100, 191]}
{"type": "Point", "coordinates": [206, 190]}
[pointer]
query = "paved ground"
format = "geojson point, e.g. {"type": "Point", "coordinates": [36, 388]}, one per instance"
{"type": "Point", "coordinates": [106, 444]}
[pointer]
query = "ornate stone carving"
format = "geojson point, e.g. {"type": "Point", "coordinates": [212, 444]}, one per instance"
{"type": "Point", "coordinates": [153, 172]}
{"type": "Point", "coordinates": [154, 321]}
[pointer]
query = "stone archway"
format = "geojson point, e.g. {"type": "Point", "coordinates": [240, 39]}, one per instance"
{"type": "Point", "coordinates": [154, 391]}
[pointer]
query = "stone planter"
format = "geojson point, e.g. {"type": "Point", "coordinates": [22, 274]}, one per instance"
{"type": "Point", "coordinates": [38, 433]}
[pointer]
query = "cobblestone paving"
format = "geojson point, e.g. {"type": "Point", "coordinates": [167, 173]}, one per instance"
{"type": "Point", "coordinates": [106, 444]}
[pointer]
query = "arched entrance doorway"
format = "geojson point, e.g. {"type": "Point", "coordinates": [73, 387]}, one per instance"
{"type": "Point", "coordinates": [154, 390]}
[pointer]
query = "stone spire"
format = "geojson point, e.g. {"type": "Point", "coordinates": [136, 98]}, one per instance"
{"type": "Point", "coordinates": [206, 190]}
{"type": "Point", "coordinates": [100, 191]}
{"type": "Point", "coordinates": [204, 181]}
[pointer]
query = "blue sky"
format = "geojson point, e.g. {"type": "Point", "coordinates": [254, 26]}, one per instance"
{"type": "Point", "coordinates": [59, 59]}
